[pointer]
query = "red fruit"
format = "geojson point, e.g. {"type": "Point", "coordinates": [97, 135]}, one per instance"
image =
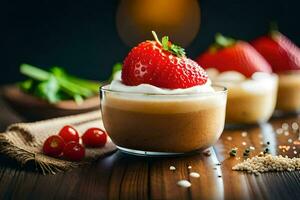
{"type": "Point", "coordinates": [54, 146]}
{"type": "Point", "coordinates": [68, 133]}
{"type": "Point", "coordinates": [74, 151]}
{"type": "Point", "coordinates": [94, 137]}
{"type": "Point", "coordinates": [162, 65]}
{"type": "Point", "coordinates": [279, 51]}
{"type": "Point", "coordinates": [234, 56]}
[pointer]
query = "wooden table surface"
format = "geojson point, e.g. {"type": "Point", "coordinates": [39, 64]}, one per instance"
{"type": "Point", "coordinates": [121, 176]}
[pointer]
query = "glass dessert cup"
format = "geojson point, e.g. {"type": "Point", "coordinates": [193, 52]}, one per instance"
{"type": "Point", "coordinates": [163, 124]}
{"type": "Point", "coordinates": [250, 102]}
{"type": "Point", "coordinates": [288, 99]}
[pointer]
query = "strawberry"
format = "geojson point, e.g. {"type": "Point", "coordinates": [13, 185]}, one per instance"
{"type": "Point", "coordinates": [161, 64]}
{"type": "Point", "coordinates": [231, 55]}
{"type": "Point", "coordinates": [279, 51]}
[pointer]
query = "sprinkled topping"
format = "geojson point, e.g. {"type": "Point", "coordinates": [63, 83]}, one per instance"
{"type": "Point", "coordinates": [268, 163]}
{"type": "Point", "coordinates": [252, 148]}
{"type": "Point", "coordinates": [290, 140]}
{"type": "Point", "coordinates": [184, 183]}
{"type": "Point", "coordinates": [294, 147]}
{"type": "Point", "coordinates": [244, 134]}
{"type": "Point", "coordinates": [229, 138]}
{"type": "Point", "coordinates": [244, 143]}
{"type": "Point", "coordinates": [295, 152]}
{"type": "Point", "coordinates": [189, 167]}
{"type": "Point", "coordinates": [194, 174]}
{"type": "Point", "coordinates": [172, 168]}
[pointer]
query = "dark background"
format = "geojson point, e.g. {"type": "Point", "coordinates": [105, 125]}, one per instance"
{"type": "Point", "coordinates": [82, 37]}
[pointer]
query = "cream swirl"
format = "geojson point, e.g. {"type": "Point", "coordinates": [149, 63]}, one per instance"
{"type": "Point", "coordinates": [117, 85]}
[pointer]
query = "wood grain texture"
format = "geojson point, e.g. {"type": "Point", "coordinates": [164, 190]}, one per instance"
{"type": "Point", "coordinates": [122, 176]}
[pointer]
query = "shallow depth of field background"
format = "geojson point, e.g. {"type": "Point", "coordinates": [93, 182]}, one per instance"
{"type": "Point", "coordinates": [82, 35]}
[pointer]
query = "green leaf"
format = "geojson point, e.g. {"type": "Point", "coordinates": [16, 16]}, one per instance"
{"type": "Point", "coordinates": [26, 85]}
{"type": "Point", "coordinates": [34, 72]}
{"type": "Point", "coordinates": [48, 90]}
{"type": "Point", "coordinates": [172, 48]}
{"type": "Point", "coordinates": [165, 43]}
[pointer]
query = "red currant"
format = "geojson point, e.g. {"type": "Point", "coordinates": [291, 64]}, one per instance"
{"type": "Point", "coordinates": [54, 146]}
{"type": "Point", "coordinates": [94, 137]}
{"type": "Point", "coordinates": [68, 133]}
{"type": "Point", "coordinates": [74, 151]}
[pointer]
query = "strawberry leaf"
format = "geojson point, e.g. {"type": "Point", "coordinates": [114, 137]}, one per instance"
{"type": "Point", "coordinates": [172, 48]}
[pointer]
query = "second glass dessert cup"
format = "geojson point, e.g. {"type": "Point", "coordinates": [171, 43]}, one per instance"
{"type": "Point", "coordinates": [289, 92]}
{"type": "Point", "coordinates": [163, 124]}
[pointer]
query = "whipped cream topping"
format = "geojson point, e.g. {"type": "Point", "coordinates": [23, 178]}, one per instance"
{"type": "Point", "coordinates": [117, 85]}
{"type": "Point", "coordinates": [258, 82]}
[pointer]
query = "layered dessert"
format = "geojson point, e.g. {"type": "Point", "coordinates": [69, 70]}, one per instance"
{"type": "Point", "coordinates": [284, 58]}
{"type": "Point", "coordinates": [252, 88]}
{"type": "Point", "coordinates": [162, 103]}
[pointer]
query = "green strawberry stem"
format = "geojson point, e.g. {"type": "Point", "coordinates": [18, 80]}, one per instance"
{"type": "Point", "coordinates": [273, 31]}
{"type": "Point", "coordinates": [221, 42]}
{"type": "Point", "coordinates": [168, 46]}
{"type": "Point", "coordinates": [156, 38]}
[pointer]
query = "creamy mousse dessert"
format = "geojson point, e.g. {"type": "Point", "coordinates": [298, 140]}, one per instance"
{"type": "Point", "coordinates": [289, 91]}
{"type": "Point", "coordinates": [163, 103]}
{"type": "Point", "coordinates": [252, 88]}
{"type": "Point", "coordinates": [284, 57]}
{"type": "Point", "coordinates": [250, 100]}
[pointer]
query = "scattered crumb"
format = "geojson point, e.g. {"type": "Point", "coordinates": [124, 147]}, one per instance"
{"type": "Point", "coordinates": [296, 142]}
{"type": "Point", "coordinates": [172, 168]}
{"type": "Point", "coordinates": [184, 183]}
{"type": "Point", "coordinates": [295, 126]}
{"type": "Point", "coordinates": [229, 138]}
{"type": "Point", "coordinates": [279, 131]}
{"type": "Point", "coordinates": [244, 143]}
{"type": "Point", "coordinates": [244, 134]}
{"type": "Point", "coordinates": [268, 163]}
{"type": "Point", "coordinates": [189, 167]}
{"type": "Point", "coordinates": [284, 147]}
{"type": "Point", "coordinates": [252, 148]}
{"type": "Point", "coordinates": [295, 152]}
{"type": "Point", "coordinates": [294, 147]}
{"type": "Point", "coordinates": [207, 153]}
{"type": "Point", "coordinates": [286, 133]}
{"type": "Point", "coordinates": [285, 126]}
{"type": "Point", "coordinates": [290, 140]}
{"type": "Point", "coordinates": [194, 174]}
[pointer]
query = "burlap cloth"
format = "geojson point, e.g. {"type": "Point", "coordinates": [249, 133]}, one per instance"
{"type": "Point", "coordinates": [24, 141]}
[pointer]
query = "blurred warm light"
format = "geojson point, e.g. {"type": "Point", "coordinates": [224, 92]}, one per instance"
{"type": "Point", "coordinates": [179, 19]}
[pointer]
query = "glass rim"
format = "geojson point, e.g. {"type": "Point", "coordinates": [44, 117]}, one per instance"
{"type": "Point", "coordinates": [222, 90]}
